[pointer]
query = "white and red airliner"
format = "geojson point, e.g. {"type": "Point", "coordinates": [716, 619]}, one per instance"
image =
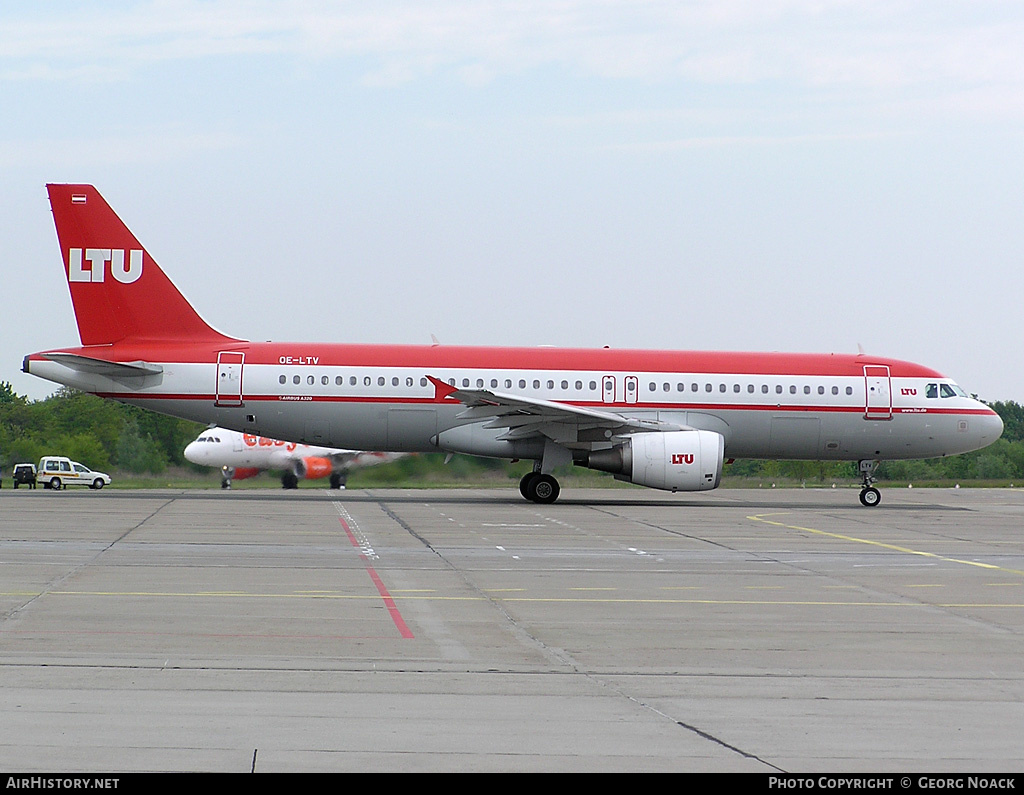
{"type": "Point", "coordinates": [244, 455]}
{"type": "Point", "coordinates": [664, 419]}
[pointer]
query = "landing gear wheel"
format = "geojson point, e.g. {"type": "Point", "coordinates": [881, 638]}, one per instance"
{"type": "Point", "coordinates": [289, 481]}
{"type": "Point", "coordinates": [337, 481]}
{"type": "Point", "coordinates": [544, 489]}
{"type": "Point", "coordinates": [870, 497]}
{"type": "Point", "coordinates": [524, 484]}
{"type": "Point", "coordinates": [225, 483]}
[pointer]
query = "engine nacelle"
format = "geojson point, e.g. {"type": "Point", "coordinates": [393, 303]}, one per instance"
{"type": "Point", "coordinates": [674, 460]}
{"type": "Point", "coordinates": [314, 467]}
{"type": "Point", "coordinates": [239, 473]}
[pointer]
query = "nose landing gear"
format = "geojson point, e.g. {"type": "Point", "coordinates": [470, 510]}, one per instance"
{"type": "Point", "coordinates": [869, 495]}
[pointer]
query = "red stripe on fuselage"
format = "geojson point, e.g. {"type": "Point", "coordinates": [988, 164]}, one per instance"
{"type": "Point", "coordinates": [620, 407]}
{"type": "Point", "coordinates": [431, 357]}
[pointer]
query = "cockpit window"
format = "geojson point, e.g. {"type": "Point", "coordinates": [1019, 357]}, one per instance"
{"type": "Point", "coordinates": [943, 390]}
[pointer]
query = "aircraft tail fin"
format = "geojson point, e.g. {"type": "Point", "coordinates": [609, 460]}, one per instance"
{"type": "Point", "coordinates": [119, 292]}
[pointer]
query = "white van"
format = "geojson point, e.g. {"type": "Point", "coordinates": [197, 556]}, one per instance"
{"type": "Point", "coordinates": [57, 472]}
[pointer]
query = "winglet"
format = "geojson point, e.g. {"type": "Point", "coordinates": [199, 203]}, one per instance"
{"type": "Point", "coordinates": [442, 390]}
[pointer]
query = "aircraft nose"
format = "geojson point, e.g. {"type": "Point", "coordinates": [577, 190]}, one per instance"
{"type": "Point", "coordinates": [991, 427]}
{"type": "Point", "coordinates": [193, 453]}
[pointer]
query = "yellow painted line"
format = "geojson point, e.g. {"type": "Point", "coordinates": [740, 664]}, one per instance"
{"type": "Point", "coordinates": [883, 545]}
{"type": "Point", "coordinates": [924, 585]}
{"type": "Point", "coordinates": [764, 587]}
{"type": "Point", "coordinates": [551, 599]}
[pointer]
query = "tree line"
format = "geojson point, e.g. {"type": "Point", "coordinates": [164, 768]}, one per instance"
{"type": "Point", "coordinates": [107, 435]}
{"type": "Point", "coordinates": [102, 434]}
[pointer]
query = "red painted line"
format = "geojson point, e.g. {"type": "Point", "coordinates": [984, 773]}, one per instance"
{"type": "Point", "coordinates": [389, 602]}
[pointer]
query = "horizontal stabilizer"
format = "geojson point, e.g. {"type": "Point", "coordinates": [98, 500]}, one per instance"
{"type": "Point", "coordinates": [87, 364]}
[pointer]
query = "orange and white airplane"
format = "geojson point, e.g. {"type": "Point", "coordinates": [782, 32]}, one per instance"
{"type": "Point", "coordinates": [243, 455]}
{"type": "Point", "coordinates": [664, 419]}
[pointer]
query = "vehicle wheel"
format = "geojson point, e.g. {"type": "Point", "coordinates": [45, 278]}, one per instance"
{"type": "Point", "coordinates": [544, 489]}
{"type": "Point", "coordinates": [337, 481]}
{"type": "Point", "coordinates": [289, 481]}
{"type": "Point", "coordinates": [97, 484]}
{"type": "Point", "coordinates": [870, 497]}
{"type": "Point", "coordinates": [524, 485]}
{"type": "Point", "coordinates": [55, 483]}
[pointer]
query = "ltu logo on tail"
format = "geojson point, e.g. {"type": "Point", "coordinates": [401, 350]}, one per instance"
{"type": "Point", "coordinates": [97, 259]}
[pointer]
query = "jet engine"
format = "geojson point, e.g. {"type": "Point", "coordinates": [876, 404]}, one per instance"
{"type": "Point", "coordinates": [313, 467]}
{"type": "Point", "coordinates": [239, 473]}
{"type": "Point", "coordinates": [672, 460]}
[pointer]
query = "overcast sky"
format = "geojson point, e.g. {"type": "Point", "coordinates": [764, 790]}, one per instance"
{"type": "Point", "coordinates": [796, 175]}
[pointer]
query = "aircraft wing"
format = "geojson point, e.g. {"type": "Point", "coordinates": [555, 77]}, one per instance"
{"type": "Point", "coordinates": [346, 460]}
{"type": "Point", "coordinates": [523, 417]}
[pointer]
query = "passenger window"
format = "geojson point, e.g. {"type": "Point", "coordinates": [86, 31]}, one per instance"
{"type": "Point", "coordinates": [282, 379]}
{"type": "Point", "coordinates": [324, 380]}
{"type": "Point", "coordinates": [296, 379]}
{"type": "Point", "coordinates": [394, 381]}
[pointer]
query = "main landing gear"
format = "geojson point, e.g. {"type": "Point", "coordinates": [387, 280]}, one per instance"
{"type": "Point", "coordinates": [539, 488]}
{"type": "Point", "coordinates": [869, 495]}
